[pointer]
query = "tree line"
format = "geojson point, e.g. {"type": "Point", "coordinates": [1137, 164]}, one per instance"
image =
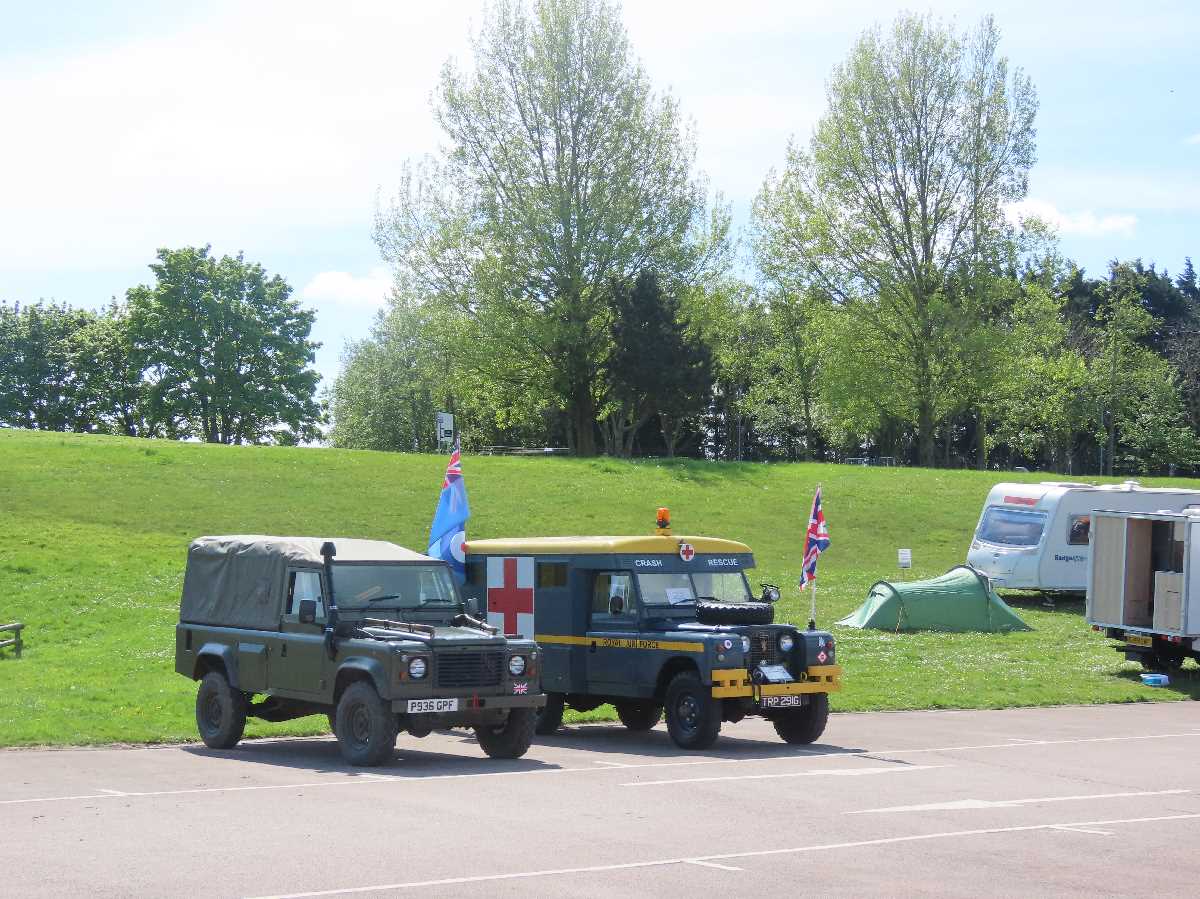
{"type": "Point", "coordinates": [215, 350]}
{"type": "Point", "coordinates": [565, 276]}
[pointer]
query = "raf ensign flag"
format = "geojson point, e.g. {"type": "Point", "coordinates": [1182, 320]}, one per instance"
{"type": "Point", "coordinates": [449, 530]}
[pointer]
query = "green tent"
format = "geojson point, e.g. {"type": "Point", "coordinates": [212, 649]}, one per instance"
{"type": "Point", "coordinates": [959, 600]}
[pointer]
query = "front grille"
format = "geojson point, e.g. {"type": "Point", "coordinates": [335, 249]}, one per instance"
{"type": "Point", "coordinates": [470, 669]}
{"type": "Point", "coordinates": [763, 650]}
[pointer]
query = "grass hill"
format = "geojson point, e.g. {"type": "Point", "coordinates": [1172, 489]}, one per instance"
{"type": "Point", "coordinates": [94, 531]}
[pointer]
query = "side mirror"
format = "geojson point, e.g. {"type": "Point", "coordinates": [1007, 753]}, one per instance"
{"type": "Point", "coordinates": [472, 606]}
{"type": "Point", "coordinates": [770, 593]}
{"type": "Point", "coordinates": [616, 605]}
{"type": "Point", "coordinates": [308, 611]}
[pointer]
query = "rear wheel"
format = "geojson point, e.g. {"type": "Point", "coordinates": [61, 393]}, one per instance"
{"type": "Point", "coordinates": [366, 727]}
{"type": "Point", "coordinates": [1162, 659]}
{"type": "Point", "coordinates": [805, 724]}
{"type": "Point", "coordinates": [639, 715]}
{"type": "Point", "coordinates": [549, 717]}
{"type": "Point", "coordinates": [509, 740]}
{"type": "Point", "coordinates": [220, 712]}
{"type": "Point", "coordinates": [693, 716]}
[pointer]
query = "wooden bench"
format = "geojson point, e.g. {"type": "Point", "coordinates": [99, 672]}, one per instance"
{"type": "Point", "coordinates": [15, 641]}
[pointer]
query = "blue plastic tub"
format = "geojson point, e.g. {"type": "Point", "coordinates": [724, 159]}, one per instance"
{"type": "Point", "coordinates": [1155, 680]}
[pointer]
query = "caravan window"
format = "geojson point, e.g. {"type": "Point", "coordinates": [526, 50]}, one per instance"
{"type": "Point", "coordinates": [1078, 529]}
{"type": "Point", "coordinates": [1011, 527]}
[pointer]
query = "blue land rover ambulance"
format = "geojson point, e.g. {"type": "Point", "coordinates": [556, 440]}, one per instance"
{"type": "Point", "coordinates": [655, 622]}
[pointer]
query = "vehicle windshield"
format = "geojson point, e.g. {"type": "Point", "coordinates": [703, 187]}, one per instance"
{"type": "Point", "coordinates": [1011, 527]}
{"type": "Point", "coordinates": [363, 586]}
{"type": "Point", "coordinates": [682, 589]}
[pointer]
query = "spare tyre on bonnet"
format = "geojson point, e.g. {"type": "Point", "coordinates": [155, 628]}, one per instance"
{"type": "Point", "coordinates": [655, 625]}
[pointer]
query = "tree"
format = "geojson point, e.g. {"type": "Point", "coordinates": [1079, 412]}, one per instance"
{"type": "Point", "coordinates": [225, 348]}
{"type": "Point", "coordinates": [658, 366]}
{"type": "Point", "coordinates": [563, 171]}
{"type": "Point", "coordinates": [902, 190]}
{"type": "Point", "coordinates": [39, 387]}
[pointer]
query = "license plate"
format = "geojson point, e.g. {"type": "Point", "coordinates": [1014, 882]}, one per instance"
{"type": "Point", "coordinates": [1139, 639]}
{"type": "Point", "coordinates": [417, 706]}
{"type": "Point", "coordinates": [781, 702]}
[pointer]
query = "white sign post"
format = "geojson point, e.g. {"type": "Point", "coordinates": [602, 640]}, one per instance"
{"type": "Point", "coordinates": [905, 558]}
{"type": "Point", "coordinates": [445, 430]}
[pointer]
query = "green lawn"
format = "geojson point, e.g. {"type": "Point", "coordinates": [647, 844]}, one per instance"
{"type": "Point", "coordinates": [94, 530]}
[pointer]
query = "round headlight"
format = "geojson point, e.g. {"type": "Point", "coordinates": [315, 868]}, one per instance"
{"type": "Point", "coordinates": [786, 643]}
{"type": "Point", "coordinates": [745, 644]}
{"type": "Point", "coordinates": [417, 669]}
{"type": "Point", "coordinates": [516, 666]}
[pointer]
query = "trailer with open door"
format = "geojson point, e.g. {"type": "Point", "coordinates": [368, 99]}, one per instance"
{"type": "Point", "coordinates": [1144, 584]}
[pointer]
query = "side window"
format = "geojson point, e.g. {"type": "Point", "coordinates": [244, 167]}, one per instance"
{"type": "Point", "coordinates": [613, 595]}
{"type": "Point", "coordinates": [551, 574]}
{"type": "Point", "coordinates": [1078, 529]}
{"type": "Point", "coordinates": [304, 585]}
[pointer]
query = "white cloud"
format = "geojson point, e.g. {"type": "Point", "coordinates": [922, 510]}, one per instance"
{"type": "Point", "coordinates": [1194, 139]}
{"type": "Point", "coordinates": [1085, 223]}
{"type": "Point", "coordinates": [344, 289]}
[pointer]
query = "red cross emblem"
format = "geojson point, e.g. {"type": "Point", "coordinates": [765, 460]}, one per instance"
{"type": "Point", "coordinates": [509, 599]}
{"type": "Point", "coordinates": [686, 551]}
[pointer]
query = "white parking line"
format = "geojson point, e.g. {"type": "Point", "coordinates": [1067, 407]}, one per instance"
{"type": "Point", "coordinates": [818, 772]}
{"type": "Point", "coordinates": [1099, 833]}
{"type": "Point", "coordinates": [348, 780]}
{"type": "Point", "coordinates": [958, 804]}
{"type": "Point", "coordinates": [696, 861]}
{"type": "Point", "coordinates": [728, 856]}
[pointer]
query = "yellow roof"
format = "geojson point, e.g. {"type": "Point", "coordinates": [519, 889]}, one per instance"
{"type": "Point", "coordinates": [545, 546]}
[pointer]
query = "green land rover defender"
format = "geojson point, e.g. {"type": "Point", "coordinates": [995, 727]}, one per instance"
{"type": "Point", "coordinates": [656, 623]}
{"type": "Point", "coordinates": [371, 634]}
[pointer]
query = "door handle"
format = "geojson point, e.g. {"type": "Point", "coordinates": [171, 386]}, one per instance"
{"type": "Point", "coordinates": [283, 650]}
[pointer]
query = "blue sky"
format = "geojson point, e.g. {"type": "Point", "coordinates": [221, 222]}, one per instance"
{"type": "Point", "coordinates": [272, 127]}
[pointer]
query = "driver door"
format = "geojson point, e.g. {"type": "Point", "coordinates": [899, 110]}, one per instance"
{"type": "Point", "coordinates": [612, 635]}
{"type": "Point", "coordinates": [301, 666]}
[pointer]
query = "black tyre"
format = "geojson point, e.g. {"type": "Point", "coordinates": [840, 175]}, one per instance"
{"type": "Point", "coordinates": [693, 716]}
{"type": "Point", "coordinates": [735, 612]}
{"type": "Point", "coordinates": [549, 717]}
{"type": "Point", "coordinates": [220, 712]}
{"type": "Point", "coordinates": [1163, 660]}
{"type": "Point", "coordinates": [511, 739]}
{"type": "Point", "coordinates": [805, 724]}
{"type": "Point", "coordinates": [639, 715]}
{"type": "Point", "coordinates": [366, 727]}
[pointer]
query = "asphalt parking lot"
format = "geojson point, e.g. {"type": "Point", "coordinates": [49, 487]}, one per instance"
{"type": "Point", "coordinates": [1101, 800]}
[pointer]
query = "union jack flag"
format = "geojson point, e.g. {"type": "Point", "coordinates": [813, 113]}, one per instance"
{"type": "Point", "coordinates": [454, 468]}
{"type": "Point", "coordinates": [816, 541]}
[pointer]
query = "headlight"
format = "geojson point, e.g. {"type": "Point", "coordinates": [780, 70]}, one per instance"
{"type": "Point", "coordinates": [516, 666]}
{"type": "Point", "coordinates": [786, 643]}
{"type": "Point", "coordinates": [417, 669]}
{"type": "Point", "coordinates": [745, 644]}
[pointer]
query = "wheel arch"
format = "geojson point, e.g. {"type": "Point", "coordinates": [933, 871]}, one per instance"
{"type": "Point", "coordinates": [216, 657]}
{"type": "Point", "coordinates": [673, 666]}
{"type": "Point", "coordinates": [360, 669]}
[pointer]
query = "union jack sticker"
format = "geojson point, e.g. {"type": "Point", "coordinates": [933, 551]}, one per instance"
{"type": "Point", "coordinates": [520, 688]}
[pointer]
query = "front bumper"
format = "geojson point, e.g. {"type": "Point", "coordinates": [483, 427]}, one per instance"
{"type": "Point", "coordinates": [483, 703]}
{"type": "Point", "coordinates": [735, 683]}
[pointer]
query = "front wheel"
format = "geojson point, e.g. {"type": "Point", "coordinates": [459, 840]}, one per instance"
{"type": "Point", "coordinates": [509, 740]}
{"type": "Point", "coordinates": [366, 727]}
{"type": "Point", "coordinates": [693, 716]}
{"type": "Point", "coordinates": [639, 715]}
{"type": "Point", "coordinates": [220, 712]}
{"type": "Point", "coordinates": [805, 724]}
{"type": "Point", "coordinates": [549, 717]}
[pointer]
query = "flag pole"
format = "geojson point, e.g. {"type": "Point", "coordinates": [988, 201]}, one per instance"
{"type": "Point", "coordinates": [812, 612]}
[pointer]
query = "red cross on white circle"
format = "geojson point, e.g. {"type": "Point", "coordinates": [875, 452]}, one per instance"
{"type": "Point", "coordinates": [686, 551]}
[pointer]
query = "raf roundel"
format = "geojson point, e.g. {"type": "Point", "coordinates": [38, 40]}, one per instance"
{"type": "Point", "coordinates": [686, 551]}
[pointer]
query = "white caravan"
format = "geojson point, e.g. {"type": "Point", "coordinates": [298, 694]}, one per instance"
{"type": "Point", "coordinates": [1035, 536]}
